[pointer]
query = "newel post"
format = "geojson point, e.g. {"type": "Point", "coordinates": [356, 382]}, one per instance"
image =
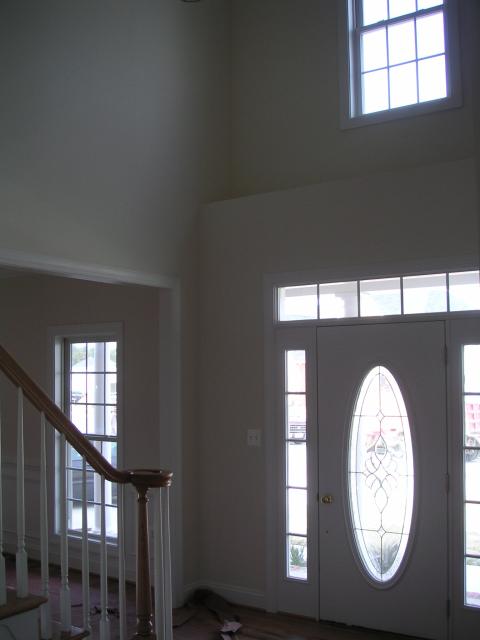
{"type": "Point", "coordinates": [143, 480]}
{"type": "Point", "coordinates": [144, 593]}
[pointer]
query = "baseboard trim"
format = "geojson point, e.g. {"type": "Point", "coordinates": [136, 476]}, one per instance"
{"type": "Point", "coordinates": [232, 593]}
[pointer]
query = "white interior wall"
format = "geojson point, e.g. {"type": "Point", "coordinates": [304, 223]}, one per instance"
{"type": "Point", "coordinates": [285, 108]}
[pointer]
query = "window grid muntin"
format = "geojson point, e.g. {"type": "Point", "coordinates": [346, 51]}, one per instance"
{"type": "Point", "coordinates": [448, 288]}
{"type": "Point", "coordinates": [359, 29]}
{"type": "Point", "coordinates": [300, 537]}
{"type": "Point", "coordinates": [474, 452]}
{"type": "Point", "coordinates": [94, 438]}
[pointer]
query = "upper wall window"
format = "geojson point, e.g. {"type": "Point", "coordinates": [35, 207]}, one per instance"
{"type": "Point", "coordinates": [401, 58]}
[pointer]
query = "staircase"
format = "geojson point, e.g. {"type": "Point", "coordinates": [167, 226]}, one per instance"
{"type": "Point", "coordinates": [25, 616]}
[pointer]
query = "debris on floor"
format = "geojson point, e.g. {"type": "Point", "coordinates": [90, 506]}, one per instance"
{"type": "Point", "coordinates": [230, 627]}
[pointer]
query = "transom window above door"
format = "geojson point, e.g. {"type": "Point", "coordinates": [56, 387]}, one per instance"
{"type": "Point", "coordinates": [430, 293]}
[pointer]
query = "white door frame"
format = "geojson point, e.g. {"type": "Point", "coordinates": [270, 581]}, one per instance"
{"type": "Point", "coordinates": [271, 282]}
{"type": "Point", "coordinates": [169, 395]}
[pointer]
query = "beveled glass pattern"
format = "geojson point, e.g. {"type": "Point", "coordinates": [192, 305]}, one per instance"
{"type": "Point", "coordinates": [381, 475]}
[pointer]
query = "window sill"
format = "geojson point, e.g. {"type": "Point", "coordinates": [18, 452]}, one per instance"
{"type": "Point", "coordinates": [410, 111]}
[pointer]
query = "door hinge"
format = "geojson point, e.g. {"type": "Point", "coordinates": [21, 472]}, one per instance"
{"type": "Point", "coordinates": [447, 482]}
{"type": "Point", "coordinates": [446, 355]}
{"type": "Point", "coordinates": [448, 607]}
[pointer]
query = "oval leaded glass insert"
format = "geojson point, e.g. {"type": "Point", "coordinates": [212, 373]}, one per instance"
{"type": "Point", "coordinates": [381, 475]}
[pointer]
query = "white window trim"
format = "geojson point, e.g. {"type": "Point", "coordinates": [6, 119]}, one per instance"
{"type": "Point", "coordinates": [58, 335]}
{"type": "Point", "coordinates": [349, 116]}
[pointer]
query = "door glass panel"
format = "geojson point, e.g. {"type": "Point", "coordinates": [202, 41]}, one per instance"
{"type": "Point", "coordinates": [380, 297]}
{"type": "Point", "coordinates": [425, 294]}
{"type": "Point", "coordinates": [471, 477]}
{"type": "Point", "coordinates": [381, 475]}
{"type": "Point", "coordinates": [297, 557]}
{"type": "Point", "coordinates": [297, 303]}
{"type": "Point", "coordinates": [338, 300]}
{"type": "Point", "coordinates": [295, 443]}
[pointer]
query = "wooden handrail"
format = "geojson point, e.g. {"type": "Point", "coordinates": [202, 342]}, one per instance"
{"type": "Point", "coordinates": [144, 478]}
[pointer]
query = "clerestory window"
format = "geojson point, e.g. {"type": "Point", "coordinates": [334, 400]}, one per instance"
{"type": "Point", "coordinates": [402, 58]}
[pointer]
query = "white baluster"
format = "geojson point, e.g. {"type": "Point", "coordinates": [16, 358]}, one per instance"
{"type": "Point", "coordinates": [104, 621]}
{"type": "Point", "coordinates": [167, 563]}
{"type": "Point", "coordinates": [45, 614]}
{"type": "Point", "coordinates": [65, 600]}
{"type": "Point", "coordinates": [121, 564]}
{"type": "Point", "coordinates": [85, 558]}
{"type": "Point", "coordinates": [21, 557]}
{"type": "Point", "coordinates": [159, 577]}
{"type": "Point", "coordinates": [3, 578]}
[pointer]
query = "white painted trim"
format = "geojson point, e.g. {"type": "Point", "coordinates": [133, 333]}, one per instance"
{"type": "Point", "coordinates": [49, 265]}
{"type": "Point", "coordinates": [232, 593]}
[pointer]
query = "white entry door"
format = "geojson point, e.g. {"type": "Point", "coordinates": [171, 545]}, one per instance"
{"type": "Point", "coordinates": [382, 465]}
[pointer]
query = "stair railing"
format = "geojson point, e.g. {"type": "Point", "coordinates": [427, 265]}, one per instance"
{"type": "Point", "coordinates": [143, 480]}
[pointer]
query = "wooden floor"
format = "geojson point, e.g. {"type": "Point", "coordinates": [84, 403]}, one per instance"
{"type": "Point", "coordinates": [198, 620]}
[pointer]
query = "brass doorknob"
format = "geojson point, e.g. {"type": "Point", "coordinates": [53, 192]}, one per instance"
{"type": "Point", "coordinates": [327, 499]}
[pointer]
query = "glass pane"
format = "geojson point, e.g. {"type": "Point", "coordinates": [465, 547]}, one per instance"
{"type": "Point", "coordinates": [78, 356]}
{"type": "Point", "coordinates": [338, 300]}
{"type": "Point", "coordinates": [297, 303]}
{"type": "Point", "coordinates": [380, 297]}
{"type": "Point", "coordinates": [375, 91]}
{"type": "Point", "coordinates": [297, 511]}
{"type": "Point", "coordinates": [472, 529]}
{"type": "Point", "coordinates": [78, 415]}
{"type": "Point", "coordinates": [296, 417]}
{"type": "Point", "coordinates": [381, 475]}
{"type": "Point", "coordinates": [297, 557]}
{"type": "Point", "coordinates": [74, 459]}
{"type": "Point", "coordinates": [472, 474]}
{"type": "Point", "coordinates": [78, 387]}
{"type": "Point", "coordinates": [95, 388]}
{"type": "Point", "coordinates": [425, 294]}
{"type": "Point", "coordinates": [432, 79]}
{"type": "Point", "coordinates": [472, 421]}
{"type": "Point", "coordinates": [401, 7]}
{"type": "Point", "coordinates": [109, 451]}
{"type": "Point", "coordinates": [74, 484]}
{"type": "Point", "coordinates": [401, 42]}
{"type": "Point", "coordinates": [426, 4]}
{"type": "Point", "coordinates": [96, 419]}
{"type": "Point", "coordinates": [430, 35]}
{"type": "Point", "coordinates": [74, 510]}
{"type": "Point", "coordinates": [471, 369]}
{"type": "Point", "coordinates": [374, 11]}
{"type": "Point", "coordinates": [472, 582]}
{"type": "Point", "coordinates": [111, 522]}
{"type": "Point", "coordinates": [111, 421]}
{"type": "Point", "coordinates": [96, 356]}
{"type": "Point", "coordinates": [297, 464]}
{"type": "Point", "coordinates": [111, 356]}
{"type": "Point", "coordinates": [403, 85]}
{"type": "Point", "coordinates": [296, 371]}
{"type": "Point", "coordinates": [374, 49]}
{"type": "Point", "coordinates": [464, 290]}
{"type": "Point", "coordinates": [111, 388]}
